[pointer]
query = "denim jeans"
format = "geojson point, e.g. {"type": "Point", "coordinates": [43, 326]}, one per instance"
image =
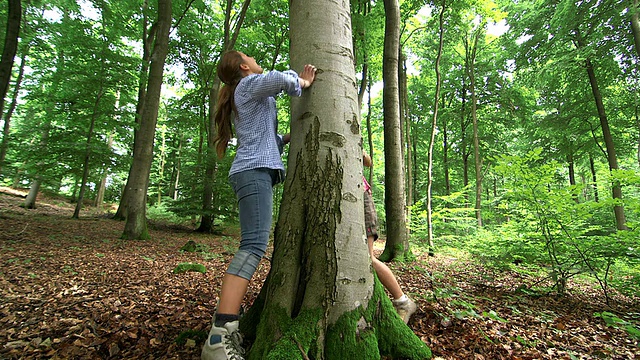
{"type": "Point", "coordinates": [254, 191]}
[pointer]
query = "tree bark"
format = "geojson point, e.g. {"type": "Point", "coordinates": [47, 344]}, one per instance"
{"type": "Point", "coordinates": [369, 134]}
{"type": "Point", "coordinates": [594, 179]}
{"type": "Point", "coordinates": [14, 102]}
{"type": "Point", "coordinates": [608, 138]}
{"type": "Point", "coordinates": [138, 182]}
{"type": "Point", "coordinates": [87, 155]}
{"type": "Point", "coordinates": [471, 53]}
{"type": "Point", "coordinates": [320, 300]}
{"type": "Point", "coordinates": [434, 123]}
{"type": "Point", "coordinates": [230, 35]}
{"type": "Point", "coordinates": [148, 34]}
{"type": "Point", "coordinates": [397, 244]}
{"type": "Point", "coordinates": [14, 15]}
{"type": "Point", "coordinates": [406, 137]}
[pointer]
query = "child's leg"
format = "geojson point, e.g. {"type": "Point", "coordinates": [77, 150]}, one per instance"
{"type": "Point", "coordinates": [385, 275]}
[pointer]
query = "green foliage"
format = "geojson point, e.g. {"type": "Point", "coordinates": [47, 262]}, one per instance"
{"type": "Point", "coordinates": [452, 219]}
{"type": "Point", "coordinates": [161, 213]}
{"type": "Point", "coordinates": [549, 230]}
{"type": "Point", "coordinates": [613, 320]}
{"type": "Point", "coordinates": [184, 267]}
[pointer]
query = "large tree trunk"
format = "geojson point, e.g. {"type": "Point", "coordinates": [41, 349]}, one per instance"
{"type": "Point", "coordinates": [397, 245]}
{"type": "Point", "coordinates": [148, 34]}
{"type": "Point", "coordinates": [14, 103]}
{"type": "Point", "coordinates": [434, 122]}
{"type": "Point", "coordinates": [136, 224]}
{"type": "Point", "coordinates": [14, 15]}
{"type": "Point", "coordinates": [319, 301]}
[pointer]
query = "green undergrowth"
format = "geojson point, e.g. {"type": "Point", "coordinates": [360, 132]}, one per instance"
{"type": "Point", "coordinates": [184, 267]}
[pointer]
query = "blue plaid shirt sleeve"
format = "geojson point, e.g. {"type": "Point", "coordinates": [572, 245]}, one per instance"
{"type": "Point", "coordinates": [256, 123]}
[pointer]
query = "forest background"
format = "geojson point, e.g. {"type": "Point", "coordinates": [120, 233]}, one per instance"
{"type": "Point", "coordinates": [523, 150]}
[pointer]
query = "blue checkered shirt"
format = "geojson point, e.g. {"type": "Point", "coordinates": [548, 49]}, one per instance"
{"type": "Point", "coordinates": [256, 122]}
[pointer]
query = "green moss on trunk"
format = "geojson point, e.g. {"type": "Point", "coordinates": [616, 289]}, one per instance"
{"type": "Point", "coordinates": [281, 338]}
{"type": "Point", "coordinates": [362, 334]}
{"type": "Point", "coordinates": [379, 331]}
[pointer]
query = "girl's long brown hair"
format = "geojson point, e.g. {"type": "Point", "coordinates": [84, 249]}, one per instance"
{"type": "Point", "coordinates": [230, 74]}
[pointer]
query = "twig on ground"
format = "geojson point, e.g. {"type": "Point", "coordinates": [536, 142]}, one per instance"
{"type": "Point", "coordinates": [304, 355]}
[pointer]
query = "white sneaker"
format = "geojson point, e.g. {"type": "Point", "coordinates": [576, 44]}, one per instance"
{"type": "Point", "coordinates": [223, 343]}
{"type": "Point", "coordinates": [405, 308]}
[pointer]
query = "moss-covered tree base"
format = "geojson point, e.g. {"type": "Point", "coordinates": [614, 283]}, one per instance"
{"type": "Point", "coordinates": [363, 334]}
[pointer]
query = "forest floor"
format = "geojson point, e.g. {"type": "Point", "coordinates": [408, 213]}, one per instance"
{"type": "Point", "coordinates": [71, 289]}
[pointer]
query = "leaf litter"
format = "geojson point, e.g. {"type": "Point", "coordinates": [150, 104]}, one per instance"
{"type": "Point", "coordinates": [71, 289]}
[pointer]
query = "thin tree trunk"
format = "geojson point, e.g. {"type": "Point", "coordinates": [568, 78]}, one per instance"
{"type": "Point", "coordinates": [397, 244]}
{"type": "Point", "coordinates": [163, 161]}
{"type": "Point", "coordinates": [136, 223]}
{"type": "Point", "coordinates": [474, 117]}
{"type": "Point", "coordinates": [31, 200]}
{"type": "Point", "coordinates": [406, 121]}
{"type": "Point", "coordinates": [87, 155]}
{"type": "Point", "coordinates": [445, 157]}
{"type": "Point", "coordinates": [434, 126]}
{"type": "Point", "coordinates": [572, 175]}
{"type": "Point", "coordinates": [231, 32]}
{"type": "Point", "coordinates": [103, 181]}
{"type": "Point", "coordinates": [608, 139]}
{"type": "Point", "coordinates": [175, 174]}
{"type": "Point", "coordinates": [464, 148]}
{"type": "Point", "coordinates": [594, 179]}
{"type": "Point", "coordinates": [364, 84]}
{"type": "Point", "coordinates": [369, 133]}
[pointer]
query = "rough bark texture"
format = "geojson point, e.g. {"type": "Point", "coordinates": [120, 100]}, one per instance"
{"type": "Point", "coordinates": [397, 246]}
{"type": "Point", "coordinates": [136, 224]}
{"type": "Point", "coordinates": [148, 34]}
{"type": "Point", "coordinates": [10, 47]}
{"type": "Point", "coordinates": [320, 299]}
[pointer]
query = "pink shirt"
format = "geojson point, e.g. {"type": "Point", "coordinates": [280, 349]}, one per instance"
{"type": "Point", "coordinates": [367, 187]}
